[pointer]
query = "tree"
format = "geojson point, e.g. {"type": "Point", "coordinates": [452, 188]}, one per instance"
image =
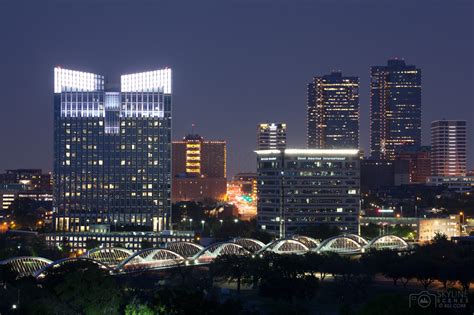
{"type": "Point", "coordinates": [370, 230]}
{"type": "Point", "coordinates": [7, 275]}
{"type": "Point", "coordinates": [26, 213]}
{"type": "Point", "coordinates": [440, 238]}
{"type": "Point", "coordinates": [135, 308]}
{"type": "Point", "coordinates": [231, 268]}
{"type": "Point", "coordinates": [83, 287]}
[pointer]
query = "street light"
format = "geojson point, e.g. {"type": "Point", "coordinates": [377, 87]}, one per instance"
{"type": "Point", "coordinates": [236, 220]}
{"type": "Point", "coordinates": [115, 223]}
{"type": "Point", "coordinates": [203, 222]}
{"type": "Point", "coordinates": [190, 223]}
{"type": "Point", "coordinates": [221, 221]}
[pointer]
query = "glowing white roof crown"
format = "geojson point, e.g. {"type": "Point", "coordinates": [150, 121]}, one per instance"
{"type": "Point", "coordinates": [150, 81]}
{"type": "Point", "coordinates": [66, 80]}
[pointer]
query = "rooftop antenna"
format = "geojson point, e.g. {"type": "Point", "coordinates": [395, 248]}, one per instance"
{"type": "Point", "coordinates": [192, 128]}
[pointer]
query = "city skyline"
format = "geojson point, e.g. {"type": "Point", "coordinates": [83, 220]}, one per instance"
{"type": "Point", "coordinates": [247, 99]}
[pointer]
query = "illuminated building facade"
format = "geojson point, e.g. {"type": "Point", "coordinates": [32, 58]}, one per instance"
{"type": "Point", "coordinates": [395, 109]}
{"type": "Point", "coordinates": [300, 188]}
{"type": "Point", "coordinates": [419, 164]}
{"type": "Point", "coordinates": [271, 136]}
{"type": "Point", "coordinates": [199, 169]}
{"type": "Point", "coordinates": [428, 228]}
{"type": "Point", "coordinates": [333, 112]}
{"type": "Point", "coordinates": [32, 179]}
{"type": "Point", "coordinates": [448, 148]}
{"type": "Point", "coordinates": [112, 151]}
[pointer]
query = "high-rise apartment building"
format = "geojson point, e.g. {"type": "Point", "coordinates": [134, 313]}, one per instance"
{"type": "Point", "coordinates": [333, 112]}
{"type": "Point", "coordinates": [395, 109]}
{"type": "Point", "coordinates": [448, 148]}
{"type": "Point", "coordinates": [271, 136]}
{"type": "Point", "coordinates": [301, 188]}
{"type": "Point", "coordinates": [199, 169]}
{"type": "Point", "coordinates": [112, 150]}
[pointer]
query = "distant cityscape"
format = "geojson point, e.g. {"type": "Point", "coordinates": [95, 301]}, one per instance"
{"type": "Point", "coordinates": [116, 167]}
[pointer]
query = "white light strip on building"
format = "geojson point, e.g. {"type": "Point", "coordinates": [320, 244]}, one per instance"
{"type": "Point", "coordinates": [322, 151]}
{"type": "Point", "coordinates": [66, 80]}
{"type": "Point", "coordinates": [267, 152]}
{"type": "Point", "coordinates": [311, 152]}
{"type": "Point", "coordinates": [150, 81]}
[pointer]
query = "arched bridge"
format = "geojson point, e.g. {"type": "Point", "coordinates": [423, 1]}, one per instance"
{"type": "Point", "coordinates": [119, 260]}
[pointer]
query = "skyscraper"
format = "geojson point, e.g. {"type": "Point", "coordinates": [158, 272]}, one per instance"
{"type": "Point", "coordinates": [112, 150]}
{"type": "Point", "coordinates": [395, 109]}
{"type": "Point", "coordinates": [448, 148]}
{"type": "Point", "coordinates": [199, 169]}
{"type": "Point", "coordinates": [271, 136]}
{"type": "Point", "coordinates": [333, 112]}
{"type": "Point", "coordinates": [308, 187]}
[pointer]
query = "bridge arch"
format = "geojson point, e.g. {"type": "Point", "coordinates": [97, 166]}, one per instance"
{"type": "Point", "coordinates": [185, 249]}
{"type": "Point", "coordinates": [110, 256]}
{"type": "Point", "coordinates": [26, 265]}
{"type": "Point", "coordinates": [388, 241]}
{"type": "Point", "coordinates": [359, 239]}
{"type": "Point", "coordinates": [342, 244]}
{"type": "Point", "coordinates": [44, 271]}
{"type": "Point", "coordinates": [310, 242]}
{"type": "Point", "coordinates": [285, 246]}
{"type": "Point", "coordinates": [209, 253]}
{"type": "Point", "coordinates": [150, 258]}
{"type": "Point", "coordinates": [250, 244]}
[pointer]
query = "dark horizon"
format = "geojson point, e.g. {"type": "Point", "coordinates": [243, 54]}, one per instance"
{"type": "Point", "coordinates": [235, 64]}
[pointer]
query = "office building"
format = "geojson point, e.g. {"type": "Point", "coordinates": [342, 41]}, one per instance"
{"type": "Point", "coordinates": [429, 227]}
{"type": "Point", "coordinates": [333, 112]}
{"type": "Point", "coordinates": [112, 151]}
{"type": "Point", "coordinates": [199, 169]}
{"type": "Point", "coordinates": [376, 174]}
{"type": "Point", "coordinates": [461, 184]}
{"type": "Point", "coordinates": [271, 136]}
{"type": "Point", "coordinates": [298, 188]}
{"type": "Point", "coordinates": [32, 179]}
{"type": "Point", "coordinates": [395, 109]}
{"type": "Point", "coordinates": [419, 164]}
{"type": "Point", "coordinates": [448, 148]}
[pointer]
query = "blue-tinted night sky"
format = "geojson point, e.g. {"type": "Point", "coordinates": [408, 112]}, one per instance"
{"type": "Point", "coordinates": [235, 63]}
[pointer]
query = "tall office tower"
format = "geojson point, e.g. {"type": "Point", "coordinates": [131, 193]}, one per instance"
{"type": "Point", "coordinates": [271, 136]}
{"type": "Point", "coordinates": [333, 112]}
{"type": "Point", "coordinates": [301, 188]}
{"type": "Point", "coordinates": [199, 169]}
{"type": "Point", "coordinates": [395, 109]}
{"type": "Point", "coordinates": [448, 148]}
{"type": "Point", "coordinates": [112, 151]}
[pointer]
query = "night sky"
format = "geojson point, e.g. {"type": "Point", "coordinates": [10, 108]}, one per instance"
{"type": "Point", "coordinates": [235, 63]}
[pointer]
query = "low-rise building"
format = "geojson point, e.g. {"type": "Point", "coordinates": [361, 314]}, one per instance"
{"type": "Point", "coordinates": [429, 227]}
{"type": "Point", "coordinates": [458, 183]}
